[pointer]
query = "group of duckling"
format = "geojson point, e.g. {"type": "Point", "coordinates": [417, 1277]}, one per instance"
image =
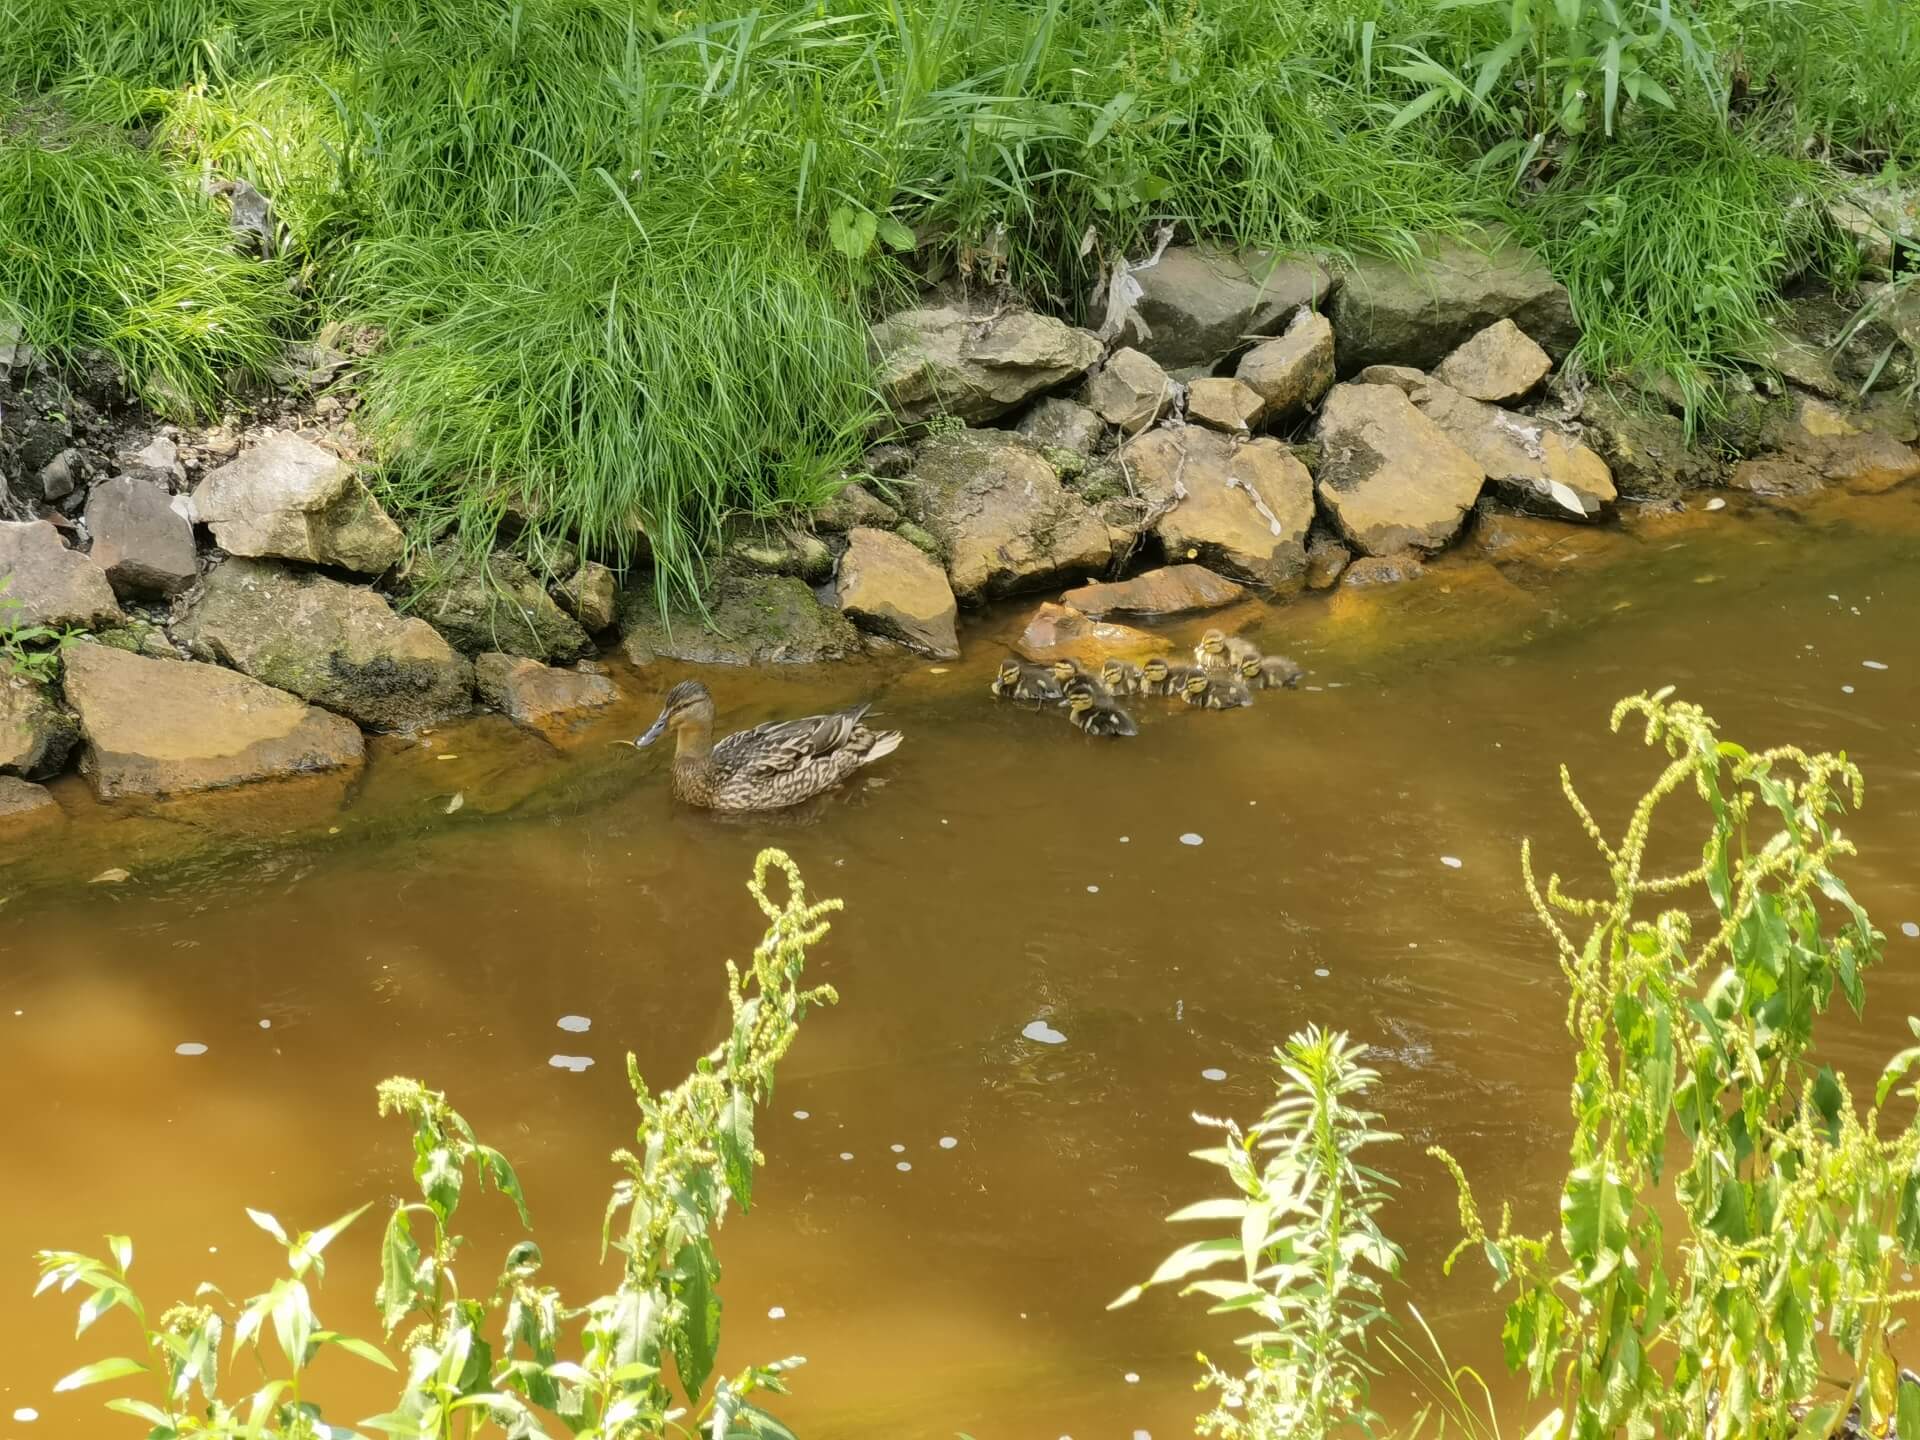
{"type": "Point", "coordinates": [1225, 672]}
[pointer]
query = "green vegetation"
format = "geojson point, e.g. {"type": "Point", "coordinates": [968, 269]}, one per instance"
{"type": "Point", "coordinates": [29, 650]}
{"type": "Point", "coordinates": [524, 1357]}
{"type": "Point", "coordinates": [619, 258]}
{"type": "Point", "coordinates": [1733, 1228]}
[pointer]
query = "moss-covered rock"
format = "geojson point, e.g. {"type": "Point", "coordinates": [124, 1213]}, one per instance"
{"type": "Point", "coordinates": [751, 620]}
{"type": "Point", "coordinates": [498, 605]}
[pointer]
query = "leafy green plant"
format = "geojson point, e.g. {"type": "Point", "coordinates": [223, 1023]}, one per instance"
{"type": "Point", "coordinates": [600, 1368]}
{"type": "Point", "coordinates": [29, 650]}
{"type": "Point", "coordinates": [1306, 1244]}
{"type": "Point", "coordinates": [1731, 1225]}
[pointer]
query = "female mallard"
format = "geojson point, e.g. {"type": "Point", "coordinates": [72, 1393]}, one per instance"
{"type": "Point", "coordinates": [1092, 714]}
{"type": "Point", "coordinates": [779, 763]}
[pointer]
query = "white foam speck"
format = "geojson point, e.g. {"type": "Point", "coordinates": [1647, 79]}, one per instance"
{"type": "Point", "coordinates": [574, 1024]}
{"type": "Point", "coordinates": [1142, 1435]}
{"type": "Point", "coordinates": [1042, 1033]}
{"type": "Point", "coordinates": [947, 1142]}
{"type": "Point", "coordinates": [26, 1415]}
{"type": "Point", "coordinates": [1131, 1378]}
{"type": "Point", "coordinates": [1873, 664]}
{"type": "Point", "coordinates": [1126, 839]}
{"type": "Point", "coordinates": [1323, 972]}
{"type": "Point", "coordinates": [189, 1047]}
{"type": "Point", "coordinates": [846, 1154]}
{"type": "Point", "coordinates": [1093, 889]}
{"type": "Point", "coordinates": [898, 1149]}
{"type": "Point", "coordinates": [1716, 503]}
{"type": "Point", "coordinates": [1846, 689]}
{"type": "Point", "coordinates": [904, 1166]}
{"type": "Point", "coordinates": [575, 1063]}
{"type": "Point", "coordinates": [1910, 930]}
{"type": "Point", "coordinates": [1191, 839]}
{"type": "Point", "coordinates": [803, 1114]}
{"type": "Point", "coordinates": [1213, 1072]}
{"type": "Point", "coordinates": [778, 1312]}
{"type": "Point", "coordinates": [1834, 598]}
{"type": "Point", "coordinates": [1452, 862]}
{"type": "Point", "coordinates": [213, 1249]}
{"type": "Point", "coordinates": [266, 1024]}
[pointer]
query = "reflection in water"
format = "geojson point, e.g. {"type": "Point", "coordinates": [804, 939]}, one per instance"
{"type": "Point", "coordinates": [1042, 974]}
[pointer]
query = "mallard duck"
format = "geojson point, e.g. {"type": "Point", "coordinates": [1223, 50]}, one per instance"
{"type": "Point", "coordinates": [1223, 653]}
{"type": "Point", "coordinates": [1160, 676]}
{"type": "Point", "coordinates": [779, 763]}
{"type": "Point", "coordinates": [1209, 692]}
{"type": "Point", "coordinates": [1095, 716]}
{"type": "Point", "coordinates": [1269, 672]}
{"type": "Point", "coordinates": [1121, 677]}
{"type": "Point", "coordinates": [1025, 682]}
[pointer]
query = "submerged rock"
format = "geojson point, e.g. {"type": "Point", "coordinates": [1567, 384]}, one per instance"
{"type": "Point", "coordinates": [1327, 560]}
{"type": "Point", "coordinates": [1291, 373]}
{"type": "Point", "coordinates": [168, 727]}
{"type": "Point", "coordinates": [1388, 475]}
{"type": "Point", "coordinates": [1239, 508]}
{"type": "Point", "coordinates": [22, 805]}
{"type": "Point", "coordinates": [50, 584]}
{"type": "Point", "coordinates": [36, 735]}
{"type": "Point", "coordinates": [1532, 465]}
{"type": "Point", "coordinates": [977, 365]}
{"type": "Point", "coordinates": [1001, 515]}
{"type": "Point", "coordinates": [542, 698]}
{"type": "Point", "coordinates": [1059, 632]}
{"type": "Point", "coordinates": [286, 498]}
{"type": "Point", "coordinates": [1170, 590]}
{"type": "Point", "coordinates": [1130, 391]}
{"type": "Point", "coordinates": [888, 586]}
{"type": "Point", "coordinates": [1394, 569]}
{"type": "Point", "coordinates": [1199, 303]}
{"type": "Point", "coordinates": [1499, 365]}
{"type": "Point", "coordinates": [751, 620]}
{"type": "Point", "coordinates": [1064, 424]}
{"type": "Point", "coordinates": [1386, 313]}
{"type": "Point", "coordinates": [340, 646]}
{"type": "Point", "coordinates": [498, 604]}
{"type": "Point", "coordinates": [1223, 404]}
{"type": "Point", "coordinates": [144, 544]}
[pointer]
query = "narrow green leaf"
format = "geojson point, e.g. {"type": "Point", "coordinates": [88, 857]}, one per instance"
{"type": "Point", "coordinates": [354, 1346]}
{"type": "Point", "coordinates": [267, 1223]}
{"type": "Point", "coordinates": [735, 1140]}
{"type": "Point", "coordinates": [696, 1340]}
{"type": "Point", "coordinates": [112, 1368]}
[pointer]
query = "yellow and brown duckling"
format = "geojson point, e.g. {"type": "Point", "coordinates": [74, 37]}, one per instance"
{"type": "Point", "coordinates": [1092, 714]}
{"type": "Point", "coordinates": [1223, 653]}
{"type": "Point", "coordinates": [1067, 672]}
{"type": "Point", "coordinates": [1161, 676]}
{"type": "Point", "coordinates": [1269, 672]}
{"type": "Point", "coordinates": [1214, 692]}
{"type": "Point", "coordinates": [1121, 677]}
{"type": "Point", "coordinates": [779, 763]}
{"type": "Point", "coordinates": [1026, 682]}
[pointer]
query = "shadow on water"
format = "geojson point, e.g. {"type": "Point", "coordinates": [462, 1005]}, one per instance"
{"type": "Point", "coordinates": [1004, 878]}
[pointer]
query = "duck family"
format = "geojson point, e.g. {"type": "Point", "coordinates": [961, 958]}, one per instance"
{"type": "Point", "coordinates": [1225, 672]}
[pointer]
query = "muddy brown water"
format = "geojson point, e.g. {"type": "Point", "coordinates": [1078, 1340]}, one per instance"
{"type": "Point", "coordinates": [1357, 866]}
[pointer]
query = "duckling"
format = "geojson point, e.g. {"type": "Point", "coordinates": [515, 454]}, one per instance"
{"type": "Point", "coordinates": [1206, 692]}
{"type": "Point", "coordinates": [1067, 673]}
{"type": "Point", "coordinates": [1094, 716]}
{"type": "Point", "coordinates": [1121, 677]}
{"type": "Point", "coordinates": [1219, 651]}
{"type": "Point", "coordinates": [1025, 682]}
{"type": "Point", "coordinates": [1160, 676]}
{"type": "Point", "coordinates": [1270, 672]}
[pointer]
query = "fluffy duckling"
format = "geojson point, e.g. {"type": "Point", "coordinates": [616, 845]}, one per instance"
{"type": "Point", "coordinates": [1092, 715]}
{"type": "Point", "coordinates": [1160, 676]}
{"type": "Point", "coordinates": [1270, 672]}
{"type": "Point", "coordinates": [1067, 673]}
{"type": "Point", "coordinates": [1208, 692]}
{"type": "Point", "coordinates": [1223, 653]}
{"type": "Point", "coordinates": [1121, 677]}
{"type": "Point", "coordinates": [1025, 682]}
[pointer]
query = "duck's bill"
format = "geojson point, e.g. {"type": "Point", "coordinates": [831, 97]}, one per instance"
{"type": "Point", "coordinates": [654, 732]}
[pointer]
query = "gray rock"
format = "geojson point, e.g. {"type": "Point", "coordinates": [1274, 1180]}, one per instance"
{"type": "Point", "coordinates": [339, 646]}
{"type": "Point", "coordinates": [1129, 390]}
{"type": "Point", "coordinates": [1239, 509]}
{"type": "Point", "coordinates": [1533, 466]}
{"type": "Point", "coordinates": [1327, 560]}
{"type": "Point", "coordinates": [287, 498]}
{"type": "Point", "coordinates": [1289, 374]}
{"type": "Point", "coordinates": [1199, 304]}
{"type": "Point", "coordinates": [145, 547]}
{"type": "Point", "coordinates": [157, 460]}
{"type": "Point", "coordinates": [888, 586]}
{"type": "Point", "coordinates": [1000, 515]}
{"type": "Point", "coordinates": [1394, 569]}
{"type": "Point", "coordinates": [974, 364]}
{"type": "Point", "coordinates": [853, 504]}
{"type": "Point", "coordinates": [1064, 424]}
{"type": "Point", "coordinates": [783, 552]}
{"type": "Point", "coordinates": [751, 620]}
{"type": "Point", "coordinates": [1389, 314]}
{"type": "Point", "coordinates": [592, 596]}
{"type": "Point", "coordinates": [550, 701]}
{"type": "Point", "coordinates": [498, 604]}
{"type": "Point", "coordinates": [51, 585]}
{"type": "Point", "coordinates": [1647, 449]}
{"type": "Point", "coordinates": [59, 476]}
{"type": "Point", "coordinates": [1403, 378]}
{"type": "Point", "coordinates": [1499, 365]}
{"type": "Point", "coordinates": [1388, 476]}
{"type": "Point", "coordinates": [1223, 404]}
{"type": "Point", "coordinates": [169, 727]}
{"type": "Point", "coordinates": [22, 804]}
{"type": "Point", "coordinates": [36, 735]}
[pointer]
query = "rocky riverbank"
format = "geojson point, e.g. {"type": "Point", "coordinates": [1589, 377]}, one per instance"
{"type": "Point", "coordinates": [237, 605]}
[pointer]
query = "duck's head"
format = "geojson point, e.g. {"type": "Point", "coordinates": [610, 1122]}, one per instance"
{"type": "Point", "coordinates": [1214, 642]}
{"type": "Point", "coordinates": [687, 703]}
{"type": "Point", "coordinates": [1155, 670]}
{"type": "Point", "coordinates": [1114, 672]}
{"type": "Point", "coordinates": [1065, 670]}
{"type": "Point", "coordinates": [1009, 672]}
{"type": "Point", "coordinates": [1197, 686]}
{"type": "Point", "coordinates": [1080, 699]}
{"type": "Point", "coordinates": [1250, 668]}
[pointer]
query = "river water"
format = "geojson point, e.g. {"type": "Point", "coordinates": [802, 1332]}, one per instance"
{"type": "Point", "coordinates": [948, 1204]}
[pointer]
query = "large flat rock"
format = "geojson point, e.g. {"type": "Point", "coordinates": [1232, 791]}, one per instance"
{"type": "Point", "coordinates": [888, 586]}
{"type": "Point", "coordinates": [977, 364]}
{"type": "Point", "coordinates": [168, 727]}
{"type": "Point", "coordinates": [1059, 632]}
{"type": "Point", "coordinates": [1239, 508]}
{"type": "Point", "coordinates": [286, 498]}
{"type": "Point", "coordinates": [50, 584]}
{"type": "Point", "coordinates": [1170, 590]}
{"type": "Point", "coordinates": [36, 735]}
{"type": "Point", "coordinates": [1389, 477]}
{"type": "Point", "coordinates": [1200, 303]}
{"type": "Point", "coordinates": [340, 646]}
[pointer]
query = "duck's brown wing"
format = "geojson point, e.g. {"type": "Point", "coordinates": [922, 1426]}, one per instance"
{"type": "Point", "coordinates": [780, 746]}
